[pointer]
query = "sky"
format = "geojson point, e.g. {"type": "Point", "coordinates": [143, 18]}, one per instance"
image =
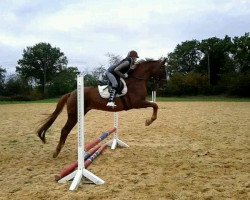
{"type": "Point", "coordinates": [86, 30]}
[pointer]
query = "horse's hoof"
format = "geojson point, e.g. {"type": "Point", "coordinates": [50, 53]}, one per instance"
{"type": "Point", "coordinates": [41, 138]}
{"type": "Point", "coordinates": [55, 155]}
{"type": "Point", "coordinates": [44, 140]}
{"type": "Point", "coordinates": [147, 122]}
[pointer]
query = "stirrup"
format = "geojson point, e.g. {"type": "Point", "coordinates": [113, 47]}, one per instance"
{"type": "Point", "coordinates": [111, 104]}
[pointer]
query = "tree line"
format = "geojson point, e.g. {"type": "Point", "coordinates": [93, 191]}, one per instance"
{"type": "Point", "coordinates": [211, 66]}
{"type": "Point", "coordinates": [43, 73]}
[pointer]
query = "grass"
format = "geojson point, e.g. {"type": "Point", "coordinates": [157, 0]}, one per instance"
{"type": "Point", "coordinates": [53, 100]}
{"type": "Point", "coordinates": [158, 99]}
{"type": "Point", "coordinates": [201, 98]}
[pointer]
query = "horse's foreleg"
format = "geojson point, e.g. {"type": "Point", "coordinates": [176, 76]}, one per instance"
{"type": "Point", "coordinates": [146, 104]}
{"type": "Point", "coordinates": [154, 115]}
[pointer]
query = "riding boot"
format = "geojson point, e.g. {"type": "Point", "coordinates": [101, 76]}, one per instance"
{"type": "Point", "coordinates": [111, 102]}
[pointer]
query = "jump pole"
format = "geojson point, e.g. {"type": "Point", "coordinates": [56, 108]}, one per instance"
{"type": "Point", "coordinates": [82, 172]}
{"type": "Point", "coordinates": [92, 148]}
{"type": "Point", "coordinates": [153, 98]}
{"type": "Point", "coordinates": [116, 141]}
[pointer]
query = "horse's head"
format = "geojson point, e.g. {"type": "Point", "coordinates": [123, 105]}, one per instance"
{"type": "Point", "coordinates": [150, 68]}
{"type": "Point", "coordinates": [159, 72]}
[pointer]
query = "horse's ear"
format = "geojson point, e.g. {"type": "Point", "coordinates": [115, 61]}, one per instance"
{"type": "Point", "coordinates": [163, 61]}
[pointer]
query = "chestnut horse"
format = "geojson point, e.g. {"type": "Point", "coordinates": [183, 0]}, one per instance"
{"type": "Point", "coordinates": [135, 98]}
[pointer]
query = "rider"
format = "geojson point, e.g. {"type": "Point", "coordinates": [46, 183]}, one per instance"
{"type": "Point", "coordinates": [115, 72]}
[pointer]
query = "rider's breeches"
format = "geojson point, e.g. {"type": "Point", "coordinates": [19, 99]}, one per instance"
{"type": "Point", "coordinates": [112, 79]}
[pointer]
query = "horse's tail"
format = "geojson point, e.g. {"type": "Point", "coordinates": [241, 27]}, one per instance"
{"type": "Point", "coordinates": [50, 120]}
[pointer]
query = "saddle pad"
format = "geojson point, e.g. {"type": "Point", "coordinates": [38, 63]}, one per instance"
{"type": "Point", "coordinates": [104, 91]}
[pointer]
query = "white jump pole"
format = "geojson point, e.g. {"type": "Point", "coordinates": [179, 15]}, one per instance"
{"type": "Point", "coordinates": [153, 96]}
{"type": "Point", "coordinates": [116, 141]}
{"type": "Point", "coordinates": [81, 171]}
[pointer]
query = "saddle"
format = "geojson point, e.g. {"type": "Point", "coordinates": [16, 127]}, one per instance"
{"type": "Point", "coordinates": [104, 89]}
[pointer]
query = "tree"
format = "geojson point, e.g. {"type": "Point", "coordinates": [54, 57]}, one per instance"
{"type": "Point", "coordinates": [216, 57]}
{"type": "Point", "coordinates": [99, 72]}
{"type": "Point", "coordinates": [15, 85]}
{"type": "Point", "coordinates": [2, 79]}
{"type": "Point", "coordinates": [185, 58]}
{"type": "Point", "coordinates": [64, 82]}
{"type": "Point", "coordinates": [90, 80]}
{"type": "Point", "coordinates": [41, 62]}
{"type": "Point", "coordinates": [187, 84]}
{"type": "Point", "coordinates": [113, 59]}
{"type": "Point", "coordinates": [241, 53]}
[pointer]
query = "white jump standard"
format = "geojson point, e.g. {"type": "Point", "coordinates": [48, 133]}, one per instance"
{"type": "Point", "coordinates": [81, 171]}
{"type": "Point", "coordinates": [83, 150]}
{"type": "Point", "coordinates": [116, 141]}
{"type": "Point", "coordinates": [153, 98]}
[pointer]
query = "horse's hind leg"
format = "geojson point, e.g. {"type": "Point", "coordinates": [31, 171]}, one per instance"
{"type": "Point", "coordinates": [71, 122]}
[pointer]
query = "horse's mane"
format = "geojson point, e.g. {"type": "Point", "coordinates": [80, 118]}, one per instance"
{"type": "Point", "coordinates": [141, 63]}
{"type": "Point", "coordinates": [146, 60]}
